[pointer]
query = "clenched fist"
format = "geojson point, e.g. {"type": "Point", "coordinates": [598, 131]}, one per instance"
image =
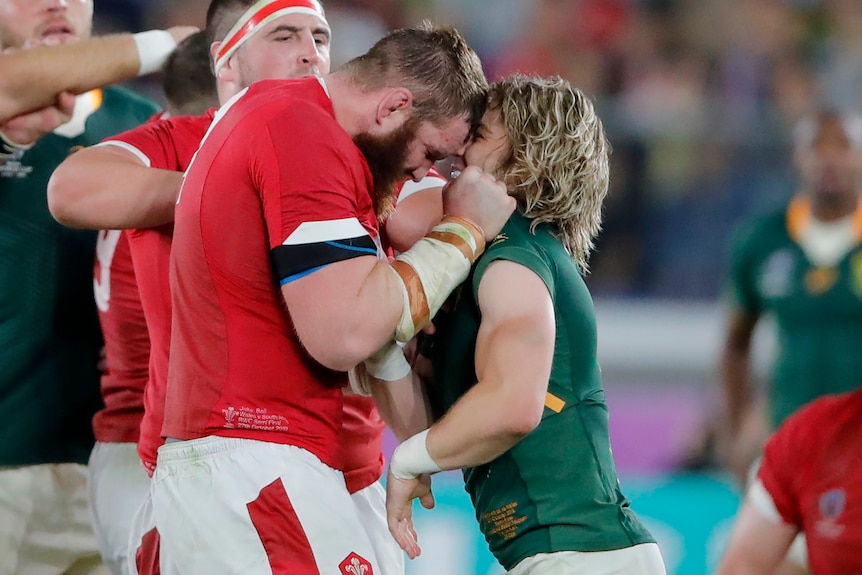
{"type": "Point", "coordinates": [480, 198]}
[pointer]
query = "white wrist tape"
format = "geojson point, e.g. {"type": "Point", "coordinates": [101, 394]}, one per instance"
{"type": "Point", "coordinates": [411, 459]}
{"type": "Point", "coordinates": [432, 268]}
{"type": "Point", "coordinates": [154, 47]}
{"type": "Point", "coordinates": [357, 380]}
{"type": "Point", "coordinates": [389, 363]}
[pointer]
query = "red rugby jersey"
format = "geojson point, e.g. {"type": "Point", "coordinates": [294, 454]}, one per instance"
{"type": "Point", "coordinates": [811, 469]}
{"type": "Point", "coordinates": [127, 344]}
{"type": "Point", "coordinates": [168, 144]}
{"type": "Point", "coordinates": [274, 161]}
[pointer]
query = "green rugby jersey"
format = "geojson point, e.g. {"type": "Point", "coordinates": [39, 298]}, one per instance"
{"type": "Point", "coordinates": [49, 331]}
{"type": "Point", "coordinates": [817, 310]}
{"type": "Point", "coordinates": [557, 489]}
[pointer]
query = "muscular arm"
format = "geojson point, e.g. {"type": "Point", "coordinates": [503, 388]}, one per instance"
{"type": "Point", "coordinates": [514, 353]}
{"type": "Point", "coordinates": [108, 187]}
{"type": "Point", "coordinates": [414, 217]}
{"type": "Point", "coordinates": [345, 311]}
{"type": "Point", "coordinates": [402, 404]}
{"type": "Point", "coordinates": [757, 545]}
{"type": "Point", "coordinates": [32, 79]}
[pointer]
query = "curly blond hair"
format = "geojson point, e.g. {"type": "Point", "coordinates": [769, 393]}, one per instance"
{"type": "Point", "coordinates": [557, 164]}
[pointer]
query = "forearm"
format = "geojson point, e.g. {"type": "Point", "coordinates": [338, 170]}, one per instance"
{"type": "Point", "coordinates": [97, 189]}
{"type": "Point", "coordinates": [736, 387]}
{"type": "Point", "coordinates": [475, 431]}
{"type": "Point", "coordinates": [402, 404]}
{"type": "Point", "coordinates": [33, 78]}
{"type": "Point", "coordinates": [513, 357]}
{"type": "Point", "coordinates": [757, 544]}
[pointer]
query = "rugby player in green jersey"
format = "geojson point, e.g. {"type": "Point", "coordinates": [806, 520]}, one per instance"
{"type": "Point", "coordinates": [802, 266]}
{"type": "Point", "coordinates": [515, 361]}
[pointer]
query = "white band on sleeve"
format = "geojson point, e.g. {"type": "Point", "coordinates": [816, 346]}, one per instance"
{"type": "Point", "coordinates": [411, 459]}
{"type": "Point", "coordinates": [428, 182]}
{"type": "Point", "coordinates": [763, 502]}
{"type": "Point", "coordinates": [154, 47]}
{"type": "Point", "coordinates": [144, 159]}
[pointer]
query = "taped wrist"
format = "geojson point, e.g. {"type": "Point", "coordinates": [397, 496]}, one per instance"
{"type": "Point", "coordinates": [432, 268]}
{"type": "Point", "coordinates": [389, 363]}
{"type": "Point", "coordinates": [357, 380]}
{"type": "Point", "coordinates": [411, 459]}
{"type": "Point", "coordinates": [154, 47]}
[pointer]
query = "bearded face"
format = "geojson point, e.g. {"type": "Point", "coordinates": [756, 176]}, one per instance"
{"type": "Point", "coordinates": [386, 156]}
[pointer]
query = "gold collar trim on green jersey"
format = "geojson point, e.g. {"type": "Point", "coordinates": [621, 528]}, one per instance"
{"type": "Point", "coordinates": [86, 105]}
{"type": "Point", "coordinates": [799, 218]}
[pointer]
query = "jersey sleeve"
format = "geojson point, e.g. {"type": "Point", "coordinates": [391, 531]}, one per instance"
{"type": "Point", "coordinates": [315, 192]}
{"type": "Point", "coordinates": [529, 257]}
{"type": "Point", "coordinates": [166, 143]}
{"type": "Point", "coordinates": [786, 458]}
{"type": "Point", "coordinates": [432, 179]}
{"type": "Point", "coordinates": [741, 285]}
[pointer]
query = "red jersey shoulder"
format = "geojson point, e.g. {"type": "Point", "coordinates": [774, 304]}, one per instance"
{"type": "Point", "coordinates": [291, 107]}
{"type": "Point", "coordinates": [817, 419]}
{"type": "Point", "coordinates": [168, 143]}
{"type": "Point", "coordinates": [803, 436]}
{"type": "Point", "coordinates": [406, 188]}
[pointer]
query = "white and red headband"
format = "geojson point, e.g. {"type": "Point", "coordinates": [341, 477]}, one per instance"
{"type": "Point", "coordinates": [258, 16]}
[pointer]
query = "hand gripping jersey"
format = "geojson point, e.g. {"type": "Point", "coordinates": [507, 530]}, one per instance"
{"type": "Point", "coordinates": [811, 469]}
{"type": "Point", "coordinates": [818, 310]}
{"type": "Point", "coordinates": [49, 333]}
{"type": "Point", "coordinates": [277, 190]}
{"type": "Point", "coordinates": [127, 343]}
{"type": "Point", "coordinates": [557, 489]}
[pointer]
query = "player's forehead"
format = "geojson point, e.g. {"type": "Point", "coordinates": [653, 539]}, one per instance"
{"type": "Point", "coordinates": [444, 138]}
{"type": "Point", "coordinates": [831, 132]}
{"type": "Point", "coordinates": [295, 22]}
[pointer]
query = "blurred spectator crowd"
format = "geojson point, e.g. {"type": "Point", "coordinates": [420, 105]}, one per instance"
{"type": "Point", "coordinates": [698, 97]}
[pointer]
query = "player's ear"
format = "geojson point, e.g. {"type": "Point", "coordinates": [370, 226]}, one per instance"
{"type": "Point", "coordinates": [394, 108]}
{"type": "Point", "coordinates": [226, 71]}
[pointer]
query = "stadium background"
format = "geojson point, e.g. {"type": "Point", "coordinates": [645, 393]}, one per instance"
{"type": "Point", "coordinates": [698, 98]}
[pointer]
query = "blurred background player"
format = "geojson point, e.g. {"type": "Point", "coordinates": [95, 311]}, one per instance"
{"type": "Point", "coordinates": [515, 362]}
{"type": "Point", "coordinates": [808, 482]}
{"type": "Point", "coordinates": [119, 484]}
{"type": "Point", "coordinates": [50, 335]}
{"type": "Point", "coordinates": [801, 266]}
